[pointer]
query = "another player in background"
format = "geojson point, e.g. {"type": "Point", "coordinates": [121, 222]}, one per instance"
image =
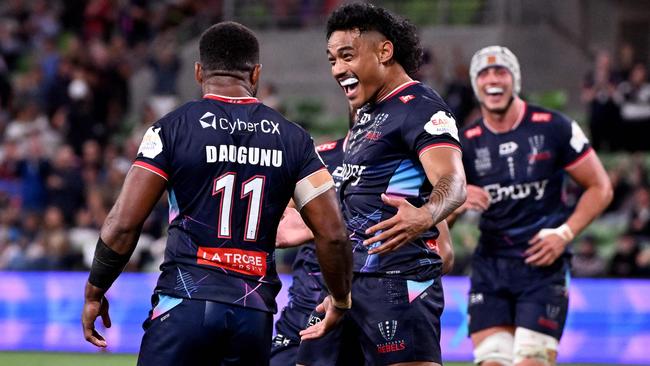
{"type": "Point", "coordinates": [230, 165]}
{"type": "Point", "coordinates": [402, 174]}
{"type": "Point", "coordinates": [516, 158]}
{"type": "Point", "coordinates": [307, 282]}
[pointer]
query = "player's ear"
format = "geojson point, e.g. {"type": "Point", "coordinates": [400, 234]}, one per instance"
{"type": "Point", "coordinates": [255, 75]}
{"type": "Point", "coordinates": [198, 72]}
{"type": "Point", "coordinates": [385, 49]}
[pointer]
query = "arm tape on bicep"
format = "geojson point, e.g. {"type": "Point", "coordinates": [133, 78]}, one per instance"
{"type": "Point", "coordinates": [311, 187]}
{"type": "Point", "coordinates": [107, 265]}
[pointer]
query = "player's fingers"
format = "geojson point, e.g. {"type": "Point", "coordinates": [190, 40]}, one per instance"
{"type": "Point", "coordinates": [94, 337]}
{"type": "Point", "coordinates": [106, 318]}
{"type": "Point", "coordinates": [382, 225]}
{"type": "Point", "coordinates": [390, 245]}
{"type": "Point", "coordinates": [312, 332]}
{"type": "Point", "coordinates": [395, 202]}
{"type": "Point", "coordinates": [535, 239]}
{"type": "Point", "coordinates": [383, 236]}
{"type": "Point", "coordinates": [536, 257]}
{"type": "Point", "coordinates": [533, 249]}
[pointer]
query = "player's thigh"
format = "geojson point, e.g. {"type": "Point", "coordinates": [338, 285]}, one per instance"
{"type": "Point", "coordinates": [543, 307]}
{"type": "Point", "coordinates": [399, 319]}
{"type": "Point", "coordinates": [246, 335]}
{"type": "Point", "coordinates": [174, 334]}
{"type": "Point", "coordinates": [284, 348]}
{"type": "Point", "coordinates": [490, 302]}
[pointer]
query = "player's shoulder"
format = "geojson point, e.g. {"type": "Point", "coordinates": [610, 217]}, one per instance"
{"type": "Point", "coordinates": [329, 146]}
{"type": "Point", "coordinates": [422, 99]}
{"type": "Point", "coordinates": [541, 115]}
{"type": "Point", "coordinates": [176, 115]}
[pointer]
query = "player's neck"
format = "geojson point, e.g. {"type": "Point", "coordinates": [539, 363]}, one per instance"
{"type": "Point", "coordinates": [507, 121]}
{"type": "Point", "coordinates": [394, 79]}
{"type": "Point", "coordinates": [227, 87]}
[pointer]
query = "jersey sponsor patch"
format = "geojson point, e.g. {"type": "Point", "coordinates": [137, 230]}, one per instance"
{"type": "Point", "coordinates": [440, 123]}
{"type": "Point", "coordinates": [541, 117]}
{"type": "Point", "coordinates": [406, 98]}
{"type": "Point", "coordinates": [326, 146]}
{"type": "Point", "coordinates": [243, 261]}
{"type": "Point", "coordinates": [578, 138]}
{"type": "Point", "coordinates": [474, 132]}
{"type": "Point", "coordinates": [151, 144]}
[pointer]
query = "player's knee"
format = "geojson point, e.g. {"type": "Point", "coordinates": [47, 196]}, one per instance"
{"type": "Point", "coordinates": [495, 348]}
{"type": "Point", "coordinates": [529, 344]}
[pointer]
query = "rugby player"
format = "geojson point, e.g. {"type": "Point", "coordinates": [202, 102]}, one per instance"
{"type": "Point", "coordinates": [307, 283]}
{"type": "Point", "coordinates": [517, 156]}
{"type": "Point", "coordinates": [230, 165]}
{"type": "Point", "coordinates": [402, 174]}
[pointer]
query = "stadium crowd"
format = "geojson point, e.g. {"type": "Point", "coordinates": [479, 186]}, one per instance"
{"type": "Point", "coordinates": [68, 133]}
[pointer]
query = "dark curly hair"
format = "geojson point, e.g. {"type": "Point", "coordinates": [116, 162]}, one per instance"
{"type": "Point", "coordinates": [367, 17]}
{"type": "Point", "coordinates": [228, 46]}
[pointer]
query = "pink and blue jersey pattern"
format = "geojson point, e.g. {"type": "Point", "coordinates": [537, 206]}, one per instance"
{"type": "Point", "coordinates": [231, 166]}
{"type": "Point", "coordinates": [382, 155]}
{"type": "Point", "coordinates": [524, 171]}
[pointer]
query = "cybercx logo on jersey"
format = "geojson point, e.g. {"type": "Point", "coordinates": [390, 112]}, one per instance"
{"type": "Point", "coordinates": [388, 330]}
{"type": "Point", "coordinates": [209, 120]}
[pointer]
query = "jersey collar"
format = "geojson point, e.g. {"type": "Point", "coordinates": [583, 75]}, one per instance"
{"type": "Point", "coordinates": [520, 119]}
{"type": "Point", "coordinates": [233, 100]}
{"type": "Point", "coordinates": [397, 90]}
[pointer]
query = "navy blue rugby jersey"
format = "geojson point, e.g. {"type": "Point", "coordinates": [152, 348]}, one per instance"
{"type": "Point", "coordinates": [523, 170]}
{"type": "Point", "coordinates": [382, 156]}
{"type": "Point", "coordinates": [306, 292]}
{"type": "Point", "coordinates": [231, 165]}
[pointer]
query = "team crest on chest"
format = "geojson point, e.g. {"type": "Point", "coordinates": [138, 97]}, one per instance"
{"type": "Point", "coordinates": [482, 162]}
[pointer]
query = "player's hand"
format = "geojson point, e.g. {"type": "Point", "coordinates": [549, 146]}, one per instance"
{"type": "Point", "coordinates": [546, 247]}
{"type": "Point", "coordinates": [93, 309]}
{"type": "Point", "coordinates": [477, 199]}
{"type": "Point", "coordinates": [407, 224]}
{"type": "Point", "coordinates": [333, 315]}
{"type": "Point", "coordinates": [292, 230]}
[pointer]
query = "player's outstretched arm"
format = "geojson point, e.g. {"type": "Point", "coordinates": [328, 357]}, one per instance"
{"type": "Point", "coordinates": [477, 199]}
{"type": "Point", "coordinates": [550, 243]}
{"type": "Point", "coordinates": [444, 169]}
{"type": "Point", "coordinates": [117, 240]}
{"type": "Point", "coordinates": [323, 216]}
{"type": "Point", "coordinates": [292, 231]}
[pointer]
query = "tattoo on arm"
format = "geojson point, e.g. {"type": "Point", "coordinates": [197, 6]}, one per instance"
{"type": "Point", "coordinates": [447, 195]}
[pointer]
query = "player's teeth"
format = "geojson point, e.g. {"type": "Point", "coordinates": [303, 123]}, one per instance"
{"type": "Point", "coordinates": [494, 90]}
{"type": "Point", "coordinates": [349, 82]}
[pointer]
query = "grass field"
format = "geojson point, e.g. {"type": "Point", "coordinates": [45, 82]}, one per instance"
{"type": "Point", "coordinates": [82, 359]}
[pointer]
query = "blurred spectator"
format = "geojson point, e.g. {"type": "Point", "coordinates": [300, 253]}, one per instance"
{"type": "Point", "coordinates": [268, 94]}
{"type": "Point", "coordinates": [598, 93]}
{"type": "Point", "coordinates": [33, 170]}
{"type": "Point", "coordinates": [460, 96]}
{"type": "Point", "coordinates": [626, 59]}
{"type": "Point", "coordinates": [586, 262]}
{"type": "Point", "coordinates": [633, 97]}
{"type": "Point", "coordinates": [64, 183]}
{"type": "Point", "coordinates": [640, 213]}
{"type": "Point", "coordinates": [623, 263]}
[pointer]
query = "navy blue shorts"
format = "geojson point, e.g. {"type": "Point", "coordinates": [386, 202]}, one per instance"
{"type": "Point", "coordinates": [507, 291]}
{"type": "Point", "coordinates": [392, 320]}
{"type": "Point", "coordinates": [199, 332]}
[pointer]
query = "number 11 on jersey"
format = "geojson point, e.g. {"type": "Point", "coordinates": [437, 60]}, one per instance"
{"type": "Point", "coordinates": [252, 188]}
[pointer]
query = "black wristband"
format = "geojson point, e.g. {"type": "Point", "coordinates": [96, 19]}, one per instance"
{"type": "Point", "coordinates": [107, 265]}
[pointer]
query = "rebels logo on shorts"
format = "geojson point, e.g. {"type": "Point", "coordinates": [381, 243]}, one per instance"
{"type": "Point", "coordinates": [388, 329]}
